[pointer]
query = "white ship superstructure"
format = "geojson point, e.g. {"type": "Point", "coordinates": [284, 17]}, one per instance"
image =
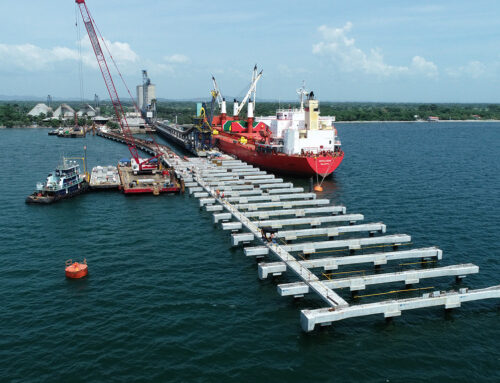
{"type": "Point", "coordinates": [303, 130]}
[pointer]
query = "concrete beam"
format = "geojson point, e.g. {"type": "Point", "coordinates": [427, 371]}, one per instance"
{"type": "Point", "coordinates": [390, 308]}
{"type": "Point", "coordinates": [242, 193]}
{"type": "Point", "coordinates": [232, 182]}
{"type": "Point", "coordinates": [357, 283]}
{"type": "Point", "coordinates": [281, 204]}
{"type": "Point", "coordinates": [206, 201]}
{"type": "Point", "coordinates": [285, 190]}
{"type": "Point", "coordinates": [234, 188]}
{"type": "Point", "coordinates": [353, 244]}
{"type": "Point", "coordinates": [256, 251]}
{"type": "Point", "coordinates": [258, 176]}
{"type": "Point", "coordinates": [313, 221]}
{"type": "Point", "coordinates": [239, 238]}
{"type": "Point", "coordinates": [195, 189]}
{"type": "Point", "coordinates": [332, 231]}
{"type": "Point", "coordinates": [222, 217]}
{"type": "Point", "coordinates": [265, 214]}
{"type": "Point", "coordinates": [232, 226]}
{"type": "Point", "coordinates": [232, 163]}
{"type": "Point", "coordinates": [275, 198]}
{"type": "Point", "coordinates": [216, 207]}
{"type": "Point", "coordinates": [223, 181]}
{"type": "Point", "coordinates": [276, 186]}
{"type": "Point", "coordinates": [333, 263]}
{"type": "Point", "coordinates": [200, 194]}
{"type": "Point", "coordinates": [265, 181]}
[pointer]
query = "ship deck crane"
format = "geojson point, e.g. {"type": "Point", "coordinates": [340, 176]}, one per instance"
{"type": "Point", "coordinates": [250, 91]}
{"type": "Point", "coordinates": [218, 95]}
{"type": "Point", "coordinates": [143, 165]}
{"type": "Point", "coordinates": [254, 75]}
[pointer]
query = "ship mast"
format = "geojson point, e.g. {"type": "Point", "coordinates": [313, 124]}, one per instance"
{"type": "Point", "coordinates": [302, 92]}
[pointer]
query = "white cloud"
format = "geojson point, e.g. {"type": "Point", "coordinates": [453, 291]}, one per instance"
{"type": "Point", "coordinates": [342, 50]}
{"type": "Point", "coordinates": [33, 58]}
{"type": "Point", "coordinates": [424, 67]}
{"type": "Point", "coordinates": [176, 58]}
{"type": "Point", "coordinates": [473, 69]}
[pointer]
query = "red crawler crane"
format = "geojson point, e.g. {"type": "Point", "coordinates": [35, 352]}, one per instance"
{"type": "Point", "coordinates": [145, 165]}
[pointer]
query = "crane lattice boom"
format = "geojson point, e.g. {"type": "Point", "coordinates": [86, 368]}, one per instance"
{"type": "Point", "coordinates": [108, 80]}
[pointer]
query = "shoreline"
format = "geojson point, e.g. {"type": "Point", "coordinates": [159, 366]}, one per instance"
{"type": "Point", "coordinates": [337, 122]}
{"type": "Point", "coordinates": [416, 122]}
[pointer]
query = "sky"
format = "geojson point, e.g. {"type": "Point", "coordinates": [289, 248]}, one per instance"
{"type": "Point", "coordinates": [379, 51]}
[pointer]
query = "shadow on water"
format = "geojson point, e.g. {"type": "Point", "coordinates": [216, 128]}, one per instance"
{"type": "Point", "coordinates": [78, 285]}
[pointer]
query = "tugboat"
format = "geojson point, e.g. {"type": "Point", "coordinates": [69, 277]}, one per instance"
{"type": "Point", "coordinates": [65, 182]}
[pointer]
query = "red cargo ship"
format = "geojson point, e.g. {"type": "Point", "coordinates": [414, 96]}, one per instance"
{"type": "Point", "coordinates": [295, 141]}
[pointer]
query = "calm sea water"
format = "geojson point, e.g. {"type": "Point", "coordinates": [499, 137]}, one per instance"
{"type": "Point", "coordinates": [169, 300]}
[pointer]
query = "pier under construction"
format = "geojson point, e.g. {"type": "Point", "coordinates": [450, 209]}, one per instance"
{"type": "Point", "coordinates": [291, 231]}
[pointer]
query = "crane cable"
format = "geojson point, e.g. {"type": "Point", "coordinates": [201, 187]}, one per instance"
{"type": "Point", "coordinates": [114, 63]}
{"type": "Point", "coordinates": [80, 56]}
{"type": "Point", "coordinates": [124, 83]}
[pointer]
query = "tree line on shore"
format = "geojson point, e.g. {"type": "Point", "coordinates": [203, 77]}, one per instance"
{"type": "Point", "coordinates": [16, 113]}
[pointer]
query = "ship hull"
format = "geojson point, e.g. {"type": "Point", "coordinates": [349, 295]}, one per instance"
{"type": "Point", "coordinates": [282, 163]}
{"type": "Point", "coordinates": [59, 195]}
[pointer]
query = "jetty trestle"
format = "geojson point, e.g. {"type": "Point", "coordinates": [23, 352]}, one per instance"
{"type": "Point", "coordinates": [244, 200]}
{"type": "Point", "coordinates": [247, 200]}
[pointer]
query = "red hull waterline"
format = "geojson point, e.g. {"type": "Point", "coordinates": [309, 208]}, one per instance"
{"type": "Point", "coordinates": [282, 163]}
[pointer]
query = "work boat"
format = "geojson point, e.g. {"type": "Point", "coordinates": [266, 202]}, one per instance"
{"type": "Point", "coordinates": [65, 182]}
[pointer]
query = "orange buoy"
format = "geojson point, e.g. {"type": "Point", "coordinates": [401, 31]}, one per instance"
{"type": "Point", "coordinates": [76, 270]}
{"type": "Point", "coordinates": [318, 188]}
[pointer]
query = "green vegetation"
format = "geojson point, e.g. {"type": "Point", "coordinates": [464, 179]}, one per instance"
{"type": "Point", "coordinates": [407, 112]}
{"type": "Point", "coordinates": [183, 110]}
{"type": "Point", "coordinates": [16, 113]}
{"type": "Point", "coordinates": [112, 125]}
{"type": "Point", "coordinates": [353, 111]}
